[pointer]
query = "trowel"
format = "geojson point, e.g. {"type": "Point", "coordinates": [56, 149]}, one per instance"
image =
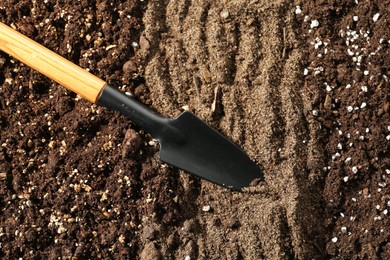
{"type": "Point", "coordinates": [186, 142]}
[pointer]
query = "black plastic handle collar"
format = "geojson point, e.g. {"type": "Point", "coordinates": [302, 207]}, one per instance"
{"type": "Point", "coordinates": [139, 114]}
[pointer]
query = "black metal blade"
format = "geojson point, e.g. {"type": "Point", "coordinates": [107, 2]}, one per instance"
{"type": "Point", "coordinates": [204, 152]}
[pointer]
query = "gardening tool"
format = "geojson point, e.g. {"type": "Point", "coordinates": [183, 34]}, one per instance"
{"type": "Point", "coordinates": [185, 142]}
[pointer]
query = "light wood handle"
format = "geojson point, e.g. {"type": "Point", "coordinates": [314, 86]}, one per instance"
{"type": "Point", "coordinates": [50, 64]}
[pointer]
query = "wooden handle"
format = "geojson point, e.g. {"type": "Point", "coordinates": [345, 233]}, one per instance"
{"type": "Point", "coordinates": [50, 64]}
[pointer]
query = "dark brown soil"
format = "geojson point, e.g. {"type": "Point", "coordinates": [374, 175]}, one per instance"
{"type": "Point", "coordinates": [80, 181]}
{"type": "Point", "coordinates": [355, 121]}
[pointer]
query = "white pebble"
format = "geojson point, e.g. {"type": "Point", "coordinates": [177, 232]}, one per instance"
{"type": "Point", "coordinates": [305, 71]}
{"type": "Point", "coordinates": [375, 17]}
{"type": "Point", "coordinates": [340, 146]}
{"type": "Point", "coordinates": [224, 14]}
{"type": "Point", "coordinates": [335, 156]}
{"type": "Point", "coordinates": [349, 108]}
{"type": "Point", "coordinates": [354, 199]}
{"type": "Point", "coordinates": [348, 86]}
{"type": "Point", "coordinates": [314, 23]}
{"type": "Point", "coordinates": [378, 207]}
{"type": "Point", "coordinates": [363, 105]}
{"type": "Point", "coordinates": [298, 9]}
{"type": "Point", "coordinates": [366, 72]}
{"type": "Point", "coordinates": [315, 113]}
{"type": "Point", "coordinates": [364, 88]}
{"type": "Point", "coordinates": [344, 230]}
{"type": "Point", "coordinates": [385, 212]}
{"type": "Point", "coordinates": [355, 18]}
{"type": "Point", "coordinates": [206, 208]}
{"type": "Point", "coordinates": [354, 169]}
{"type": "Point", "coordinates": [334, 240]}
{"type": "Point", "coordinates": [348, 159]}
{"type": "Point", "coordinates": [345, 178]}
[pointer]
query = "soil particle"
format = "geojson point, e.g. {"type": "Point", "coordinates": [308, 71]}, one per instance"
{"type": "Point", "coordinates": [150, 252]}
{"type": "Point", "coordinates": [129, 67]}
{"type": "Point", "coordinates": [131, 143]}
{"type": "Point", "coordinates": [149, 232]}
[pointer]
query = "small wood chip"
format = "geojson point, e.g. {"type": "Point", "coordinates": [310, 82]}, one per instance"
{"type": "Point", "coordinates": [328, 103]}
{"type": "Point", "coordinates": [86, 187]}
{"type": "Point", "coordinates": [3, 176]}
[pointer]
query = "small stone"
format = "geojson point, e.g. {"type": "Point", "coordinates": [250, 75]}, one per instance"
{"type": "Point", "coordinates": [144, 44]}
{"type": "Point", "coordinates": [150, 252]}
{"type": "Point", "coordinates": [129, 67]}
{"type": "Point", "coordinates": [206, 208]}
{"type": "Point", "coordinates": [149, 232]}
{"type": "Point", "coordinates": [131, 143]}
{"type": "Point", "coordinates": [224, 14]}
{"type": "Point", "coordinates": [375, 17]}
{"type": "Point", "coordinates": [343, 230]}
{"type": "Point", "coordinates": [314, 24]}
{"type": "Point", "coordinates": [345, 179]}
{"type": "Point", "coordinates": [298, 10]}
{"type": "Point", "coordinates": [61, 230]}
{"type": "Point", "coordinates": [355, 18]}
{"type": "Point", "coordinates": [334, 240]}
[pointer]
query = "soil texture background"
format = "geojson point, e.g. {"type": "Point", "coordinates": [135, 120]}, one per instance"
{"type": "Point", "coordinates": [301, 86]}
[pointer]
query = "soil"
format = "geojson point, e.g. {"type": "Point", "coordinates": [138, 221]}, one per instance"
{"type": "Point", "coordinates": [301, 86]}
